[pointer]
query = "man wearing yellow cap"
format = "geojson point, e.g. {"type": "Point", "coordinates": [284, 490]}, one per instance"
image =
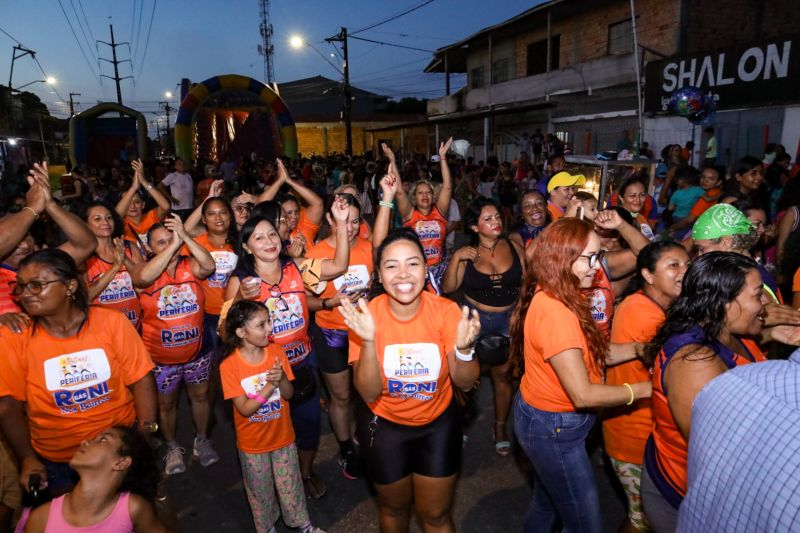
{"type": "Point", "coordinates": [561, 188]}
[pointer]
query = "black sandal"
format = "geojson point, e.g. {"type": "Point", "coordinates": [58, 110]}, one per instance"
{"type": "Point", "coordinates": [314, 487]}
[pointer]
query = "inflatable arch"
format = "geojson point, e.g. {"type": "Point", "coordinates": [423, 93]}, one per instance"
{"type": "Point", "coordinates": [91, 139]}
{"type": "Point", "coordinates": [215, 87]}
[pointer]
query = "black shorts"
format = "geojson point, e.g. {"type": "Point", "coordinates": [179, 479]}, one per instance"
{"type": "Point", "coordinates": [332, 349]}
{"type": "Point", "coordinates": [391, 452]}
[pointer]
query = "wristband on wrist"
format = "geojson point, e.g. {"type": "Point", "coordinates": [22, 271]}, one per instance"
{"type": "Point", "coordinates": [32, 210]}
{"type": "Point", "coordinates": [383, 203]}
{"type": "Point", "coordinates": [630, 389]}
{"type": "Point", "coordinates": [148, 186]}
{"type": "Point", "coordinates": [260, 399]}
{"type": "Point", "coordinates": [466, 357]}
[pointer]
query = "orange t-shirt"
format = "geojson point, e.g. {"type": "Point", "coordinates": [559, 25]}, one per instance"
{"type": "Point", "coordinates": [172, 316]}
{"type": "Point", "coordinates": [119, 294]}
{"type": "Point", "coordinates": [270, 428]}
{"type": "Point", "coordinates": [74, 387]}
{"type": "Point", "coordinates": [7, 302]}
{"type": "Point", "coordinates": [288, 311]}
{"type": "Point", "coordinates": [626, 428]}
{"type": "Point", "coordinates": [671, 449]}
{"type": "Point", "coordinates": [796, 281]}
{"type": "Point", "coordinates": [701, 205]}
{"type": "Point", "coordinates": [432, 231]}
{"type": "Point", "coordinates": [364, 231]}
{"type": "Point", "coordinates": [555, 211]}
{"type": "Point", "coordinates": [413, 356]}
{"type": "Point", "coordinates": [306, 228]}
{"type": "Point", "coordinates": [214, 285]}
{"type": "Point", "coordinates": [358, 276]}
{"type": "Point", "coordinates": [138, 232]}
{"type": "Point", "coordinates": [551, 328]}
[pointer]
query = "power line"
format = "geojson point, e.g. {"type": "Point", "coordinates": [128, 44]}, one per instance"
{"type": "Point", "coordinates": [393, 17]}
{"type": "Point", "coordinates": [147, 40]}
{"type": "Point", "coordinates": [85, 18]}
{"type": "Point", "coordinates": [391, 44]}
{"type": "Point", "coordinates": [10, 37]}
{"type": "Point", "coordinates": [133, 25]}
{"type": "Point", "coordinates": [78, 42]}
{"type": "Point", "coordinates": [138, 30]}
{"type": "Point", "coordinates": [80, 25]}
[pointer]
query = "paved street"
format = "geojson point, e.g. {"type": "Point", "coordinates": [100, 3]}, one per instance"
{"type": "Point", "coordinates": [492, 495]}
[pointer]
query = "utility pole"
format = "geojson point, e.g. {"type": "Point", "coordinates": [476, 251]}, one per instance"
{"type": "Point", "coordinates": [71, 104]}
{"type": "Point", "coordinates": [266, 48]}
{"type": "Point", "coordinates": [116, 63]}
{"type": "Point", "coordinates": [167, 109]}
{"type": "Point", "coordinates": [348, 124]}
{"type": "Point", "coordinates": [14, 56]}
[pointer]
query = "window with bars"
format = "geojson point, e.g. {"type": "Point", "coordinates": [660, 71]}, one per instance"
{"type": "Point", "coordinates": [501, 70]}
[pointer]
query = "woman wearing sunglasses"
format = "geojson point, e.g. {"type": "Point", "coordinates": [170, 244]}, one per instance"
{"type": "Point", "coordinates": [73, 372]}
{"type": "Point", "coordinates": [265, 274]}
{"type": "Point", "coordinates": [552, 331]}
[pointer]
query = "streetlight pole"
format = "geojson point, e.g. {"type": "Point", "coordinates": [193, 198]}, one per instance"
{"type": "Point", "coordinates": [72, 104]}
{"type": "Point", "coordinates": [348, 125]}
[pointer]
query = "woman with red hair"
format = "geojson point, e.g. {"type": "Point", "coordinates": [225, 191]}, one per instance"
{"type": "Point", "coordinates": [552, 332]}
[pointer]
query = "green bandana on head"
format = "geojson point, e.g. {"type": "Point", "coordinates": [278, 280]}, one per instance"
{"type": "Point", "coordinates": [720, 220]}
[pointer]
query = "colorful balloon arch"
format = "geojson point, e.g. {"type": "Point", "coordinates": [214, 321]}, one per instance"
{"type": "Point", "coordinates": [216, 87]}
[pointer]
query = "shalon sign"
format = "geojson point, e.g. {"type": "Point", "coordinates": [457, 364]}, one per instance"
{"type": "Point", "coordinates": [760, 74]}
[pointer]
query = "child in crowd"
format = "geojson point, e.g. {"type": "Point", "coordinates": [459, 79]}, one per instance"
{"type": "Point", "coordinates": [682, 200]}
{"type": "Point", "coordinates": [583, 200]}
{"type": "Point", "coordinates": [256, 375]}
{"type": "Point", "coordinates": [119, 475]}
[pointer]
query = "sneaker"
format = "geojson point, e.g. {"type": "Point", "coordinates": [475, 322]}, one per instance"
{"type": "Point", "coordinates": [203, 452]}
{"type": "Point", "coordinates": [351, 466]}
{"type": "Point", "coordinates": [174, 461]}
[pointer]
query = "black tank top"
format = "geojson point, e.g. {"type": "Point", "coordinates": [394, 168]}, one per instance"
{"type": "Point", "coordinates": [495, 290]}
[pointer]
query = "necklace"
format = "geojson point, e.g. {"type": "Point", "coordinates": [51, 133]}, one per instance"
{"type": "Point", "coordinates": [490, 248]}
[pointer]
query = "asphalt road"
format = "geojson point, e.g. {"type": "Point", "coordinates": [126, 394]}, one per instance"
{"type": "Point", "coordinates": [493, 493]}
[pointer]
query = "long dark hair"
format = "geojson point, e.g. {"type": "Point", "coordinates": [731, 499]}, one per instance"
{"type": "Point", "coordinates": [63, 266]}
{"type": "Point", "coordinates": [473, 213]}
{"type": "Point", "coordinates": [233, 233]}
{"type": "Point", "coordinates": [143, 475]}
{"type": "Point", "coordinates": [246, 266]}
{"type": "Point", "coordinates": [555, 250]}
{"type": "Point", "coordinates": [119, 225]}
{"type": "Point", "coordinates": [237, 317]}
{"type": "Point", "coordinates": [647, 259]}
{"type": "Point", "coordinates": [713, 281]}
{"type": "Point", "coordinates": [399, 234]}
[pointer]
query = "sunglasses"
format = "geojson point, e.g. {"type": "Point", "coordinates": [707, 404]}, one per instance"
{"type": "Point", "coordinates": [34, 287]}
{"type": "Point", "coordinates": [594, 259]}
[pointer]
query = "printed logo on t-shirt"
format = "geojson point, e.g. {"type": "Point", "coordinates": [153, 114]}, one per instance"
{"type": "Point", "coordinates": [176, 301]}
{"type": "Point", "coordinates": [78, 381]}
{"type": "Point", "coordinates": [356, 277]}
{"type": "Point", "coordinates": [143, 238]}
{"type": "Point", "coordinates": [428, 230]}
{"type": "Point", "coordinates": [412, 370]}
{"type": "Point", "coordinates": [296, 351]}
{"type": "Point", "coordinates": [647, 231]}
{"type": "Point", "coordinates": [271, 410]}
{"type": "Point", "coordinates": [599, 305]}
{"type": "Point", "coordinates": [286, 314]}
{"type": "Point", "coordinates": [225, 265]}
{"type": "Point", "coordinates": [119, 290]}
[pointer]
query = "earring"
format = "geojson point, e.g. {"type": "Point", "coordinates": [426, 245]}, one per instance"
{"type": "Point", "coordinates": [72, 297]}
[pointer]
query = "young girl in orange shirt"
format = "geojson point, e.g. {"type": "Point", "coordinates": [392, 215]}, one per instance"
{"type": "Point", "coordinates": [256, 375]}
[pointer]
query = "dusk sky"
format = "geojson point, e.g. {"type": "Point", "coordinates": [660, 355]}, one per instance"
{"type": "Point", "coordinates": [200, 39]}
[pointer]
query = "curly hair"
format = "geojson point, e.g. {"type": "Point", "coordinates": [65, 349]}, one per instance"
{"type": "Point", "coordinates": [713, 281]}
{"type": "Point", "coordinates": [233, 233]}
{"type": "Point", "coordinates": [554, 252]}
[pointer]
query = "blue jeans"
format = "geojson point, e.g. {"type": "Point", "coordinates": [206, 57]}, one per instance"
{"type": "Point", "coordinates": [565, 487]}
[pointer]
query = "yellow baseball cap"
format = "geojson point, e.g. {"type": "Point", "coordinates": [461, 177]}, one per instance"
{"type": "Point", "coordinates": [565, 179]}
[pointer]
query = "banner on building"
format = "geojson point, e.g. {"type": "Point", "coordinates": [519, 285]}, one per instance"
{"type": "Point", "coordinates": [759, 74]}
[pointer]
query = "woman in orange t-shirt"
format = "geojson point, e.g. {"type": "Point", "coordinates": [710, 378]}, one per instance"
{"type": "Point", "coordinates": [75, 371]}
{"type": "Point", "coordinates": [257, 376]}
{"type": "Point", "coordinates": [172, 330]}
{"type": "Point", "coordinates": [108, 270]}
{"type": "Point", "coordinates": [656, 285]}
{"type": "Point", "coordinates": [708, 330]}
{"type": "Point", "coordinates": [409, 348]}
{"type": "Point", "coordinates": [426, 218]}
{"type": "Point", "coordinates": [131, 208]}
{"type": "Point", "coordinates": [552, 330]}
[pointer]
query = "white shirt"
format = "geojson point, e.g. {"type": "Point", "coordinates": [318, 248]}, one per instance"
{"type": "Point", "coordinates": [453, 215]}
{"type": "Point", "coordinates": [181, 187]}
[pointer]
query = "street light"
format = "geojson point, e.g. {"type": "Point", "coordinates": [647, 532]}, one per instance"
{"type": "Point", "coordinates": [297, 42]}
{"type": "Point", "coordinates": [168, 94]}
{"type": "Point", "coordinates": [49, 81]}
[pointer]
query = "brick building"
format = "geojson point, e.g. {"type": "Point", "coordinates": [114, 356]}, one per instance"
{"type": "Point", "coordinates": [568, 67]}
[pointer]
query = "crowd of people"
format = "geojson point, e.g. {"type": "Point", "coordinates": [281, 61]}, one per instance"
{"type": "Point", "coordinates": [379, 291]}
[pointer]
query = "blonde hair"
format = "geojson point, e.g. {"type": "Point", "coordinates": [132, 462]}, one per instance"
{"type": "Point", "coordinates": [434, 191]}
{"type": "Point", "coordinates": [342, 188]}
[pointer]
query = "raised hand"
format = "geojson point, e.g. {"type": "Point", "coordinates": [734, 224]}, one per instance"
{"type": "Point", "coordinates": [216, 188]}
{"type": "Point", "coordinates": [608, 219]}
{"type": "Point", "coordinates": [340, 210]}
{"type": "Point", "coordinates": [175, 225]}
{"type": "Point", "coordinates": [359, 320]}
{"type": "Point", "coordinates": [389, 186]}
{"type": "Point", "coordinates": [40, 175]}
{"type": "Point", "coordinates": [283, 174]}
{"type": "Point", "coordinates": [388, 152]}
{"type": "Point", "coordinates": [138, 173]}
{"type": "Point", "coordinates": [469, 327]}
{"type": "Point", "coordinates": [444, 147]}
